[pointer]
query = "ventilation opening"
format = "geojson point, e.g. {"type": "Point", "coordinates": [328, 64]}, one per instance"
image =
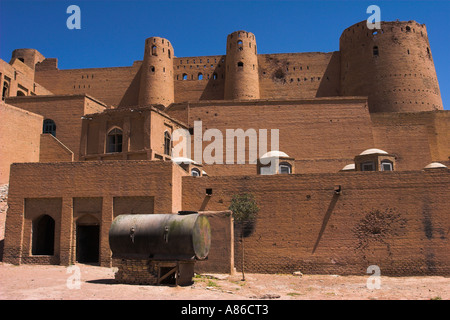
{"type": "Point", "coordinates": [375, 51]}
{"type": "Point", "coordinates": [240, 65]}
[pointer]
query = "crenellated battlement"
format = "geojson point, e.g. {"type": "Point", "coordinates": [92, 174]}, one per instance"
{"type": "Point", "coordinates": [392, 66]}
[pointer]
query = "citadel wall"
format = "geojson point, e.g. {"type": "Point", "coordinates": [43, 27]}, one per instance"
{"type": "Point", "coordinates": [323, 135]}
{"type": "Point", "coordinates": [393, 220]}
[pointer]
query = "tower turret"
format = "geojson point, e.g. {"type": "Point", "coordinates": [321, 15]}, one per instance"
{"type": "Point", "coordinates": [393, 66]}
{"type": "Point", "coordinates": [157, 86]}
{"type": "Point", "coordinates": [28, 56]}
{"type": "Point", "coordinates": [241, 75]}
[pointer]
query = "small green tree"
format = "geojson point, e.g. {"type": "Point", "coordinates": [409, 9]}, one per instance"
{"type": "Point", "coordinates": [245, 209]}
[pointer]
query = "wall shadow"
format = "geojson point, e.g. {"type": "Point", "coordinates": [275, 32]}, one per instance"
{"type": "Point", "coordinates": [325, 220]}
{"type": "Point", "coordinates": [2, 244]}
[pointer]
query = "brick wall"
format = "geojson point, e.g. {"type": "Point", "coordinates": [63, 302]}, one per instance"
{"type": "Point", "coordinates": [65, 111]}
{"type": "Point", "coordinates": [52, 150]}
{"type": "Point", "coordinates": [323, 135]}
{"type": "Point", "coordinates": [19, 135]}
{"type": "Point", "coordinates": [396, 220]}
{"type": "Point", "coordinates": [45, 183]}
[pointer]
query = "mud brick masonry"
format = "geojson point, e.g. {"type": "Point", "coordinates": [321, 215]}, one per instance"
{"type": "Point", "coordinates": [362, 176]}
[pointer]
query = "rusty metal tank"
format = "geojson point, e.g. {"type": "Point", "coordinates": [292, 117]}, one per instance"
{"type": "Point", "coordinates": [185, 236]}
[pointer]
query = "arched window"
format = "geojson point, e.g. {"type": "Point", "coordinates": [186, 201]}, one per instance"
{"type": "Point", "coordinates": [284, 168]}
{"type": "Point", "coordinates": [184, 76]}
{"type": "Point", "coordinates": [20, 93]}
{"type": "Point", "coordinates": [5, 90]}
{"type": "Point", "coordinates": [375, 51]}
{"type": "Point", "coordinates": [240, 44]}
{"type": "Point", "coordinates": [154, 50]}
{"type": "Point", "coordinates": [408, 29]}
{"type": "Point", "coordinates": [387, 165]}
{"type": "Point", "coordinates": [215, 76]}
{"type": "Point", "coordinates": [43, 236]}
{"type": "Point", "coordinates": [152, 68]}
{"type": "Point", "coordinates": [114, 141]}
{"type": "Point", "coordinates": [49, 127]}
{"type": "Point", "coordinates": [195, 172]}
{"type": "Point", "coordinates": [200, 76]}
{"type": "Point", "coordinates": [167, 143]}
{"type": "Point", "coordinates": [240, 64]}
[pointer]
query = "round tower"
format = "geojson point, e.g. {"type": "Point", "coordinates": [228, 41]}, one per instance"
{"type": "Point", "coordinates": [241, 75]}
{"type": "Point", "coordinates": [157, 86]}
{"type": "Point", "coordinates": [393, 66]}
{"type": "Point", "coordinates": [28, 56]}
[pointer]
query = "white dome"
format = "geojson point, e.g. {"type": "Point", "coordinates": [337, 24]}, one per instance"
{"type": "Point", "coordinates": [435, 165]}
{"type": "Point", "coordinates": [348, 167]}
{"type": "Point", "coordinates": [275, 154]}
{"type": "Point", "coordinates": [183, 160]}
{"type": "Point", "coordinates": [372, 151]}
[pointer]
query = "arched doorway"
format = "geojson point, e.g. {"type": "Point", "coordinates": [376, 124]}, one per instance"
{"type": "Point", "coordinates": [87, 239]}
{"type": "Point", "coordinates": [43, 239]}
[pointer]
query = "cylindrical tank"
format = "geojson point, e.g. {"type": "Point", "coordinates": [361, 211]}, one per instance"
{"type": "Point", "coordinates": [160, 237]}
{"type": "Point", "coordinates": [393, 66]}
{"type": "Point", "coordinates": [157, 86]}
{"type": "Point", "coordinates": [241, 74]}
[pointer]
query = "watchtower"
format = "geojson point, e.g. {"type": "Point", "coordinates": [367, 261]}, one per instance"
{"type": "Point", "coordinates": [393, 66]}
{"type": "Point", "coordinates": [241, 75]}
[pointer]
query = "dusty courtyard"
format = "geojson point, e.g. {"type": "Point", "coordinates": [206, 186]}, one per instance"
{"type": "Point", "coordinates": [31, 282]}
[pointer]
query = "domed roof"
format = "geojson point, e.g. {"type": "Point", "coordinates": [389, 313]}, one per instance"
{"type": "Point", "coordinates": [348, 167]}
{"type": "Point", "coordinates": [179, 160]}
{"type": "Point", "coordinates": [434, 165]}
{"type": "Point", "coordinates": [275, 154]}
{"type": "Point", "coordinates": [372, 151]}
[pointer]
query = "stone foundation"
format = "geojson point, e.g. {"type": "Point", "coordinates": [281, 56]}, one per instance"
{"type": "Point", "coordinates": [148, 272]}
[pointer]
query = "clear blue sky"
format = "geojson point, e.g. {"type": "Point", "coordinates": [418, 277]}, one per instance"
{"type": "Point", "coordinates": [113, 32]}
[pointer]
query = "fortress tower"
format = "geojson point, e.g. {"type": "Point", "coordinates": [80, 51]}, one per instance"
{"type": "Point", "coordinates": [28, 56]}
{"type": "Point", "coordinates": [157, 85]}
{"type": "Point", "coordinates": [393, 66]}
{"type": "Point", "coordinates": [241, 75]}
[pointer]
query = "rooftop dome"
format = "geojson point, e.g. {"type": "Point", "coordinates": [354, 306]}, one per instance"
{"type": "Point", "coordinates": [348, 167]}
{"type": "Point", "coordinates": [372, 151]}
{"type": "Point", "coordinates": [183, 160]}
{"type": "Point", "coordinates": [434, 165]}
{"type": "Point", "coordinates": [275, 154]}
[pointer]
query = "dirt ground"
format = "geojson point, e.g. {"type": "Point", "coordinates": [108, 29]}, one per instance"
{"type": "Point", "coordinates": [32, 282]}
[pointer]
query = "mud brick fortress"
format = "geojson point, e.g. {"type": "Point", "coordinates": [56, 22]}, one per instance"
{"type": "Point", "coordinates": [362, 166]}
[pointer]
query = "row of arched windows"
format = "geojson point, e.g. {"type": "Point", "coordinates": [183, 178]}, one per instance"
{"type": "Point", "coordinates": [200, 76]}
